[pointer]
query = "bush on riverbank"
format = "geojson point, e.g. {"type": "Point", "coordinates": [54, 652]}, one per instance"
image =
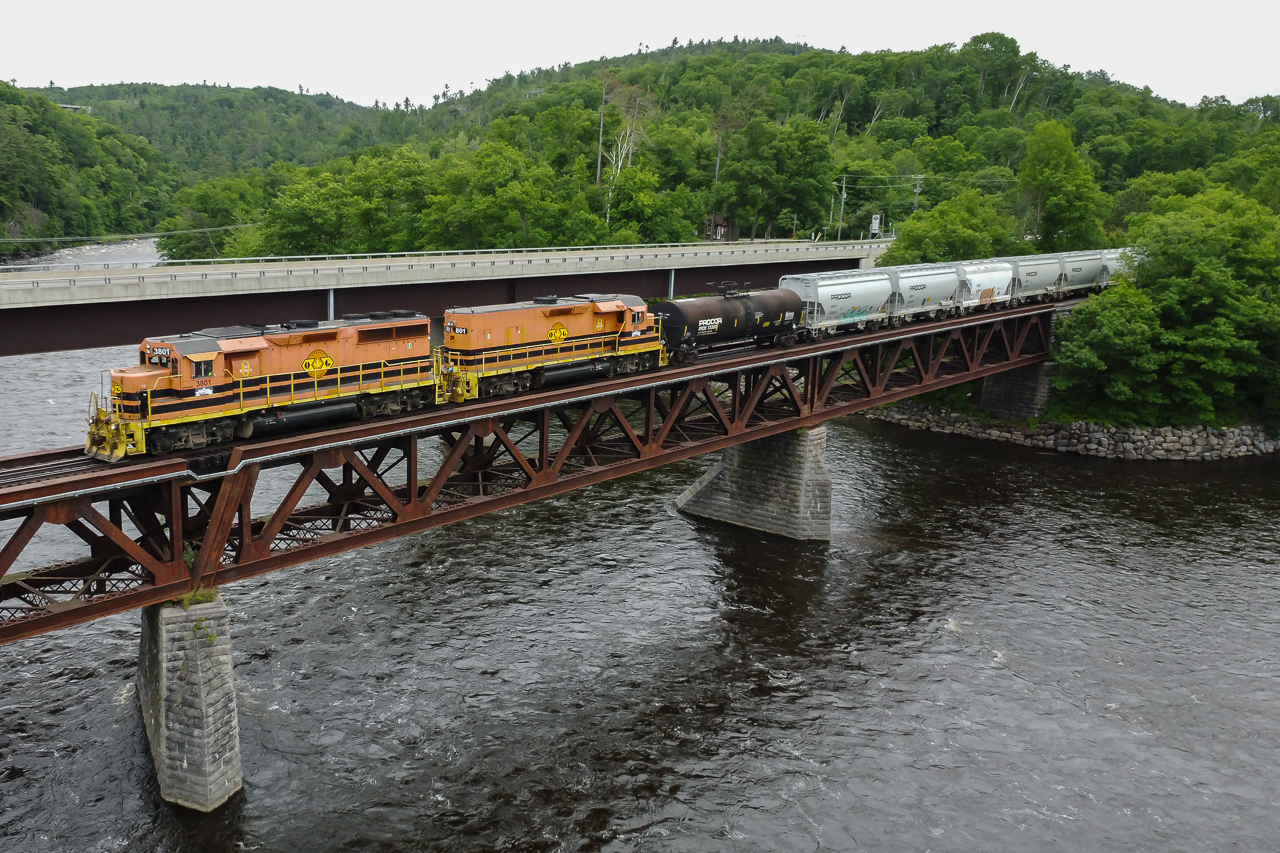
{"type": "Point", "coordinates": [1194, 336]}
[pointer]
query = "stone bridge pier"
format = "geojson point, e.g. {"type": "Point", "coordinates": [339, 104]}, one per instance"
{"type": "Point", "coordinates": [777, 485]}
{"type": "Point", "coordinates": [1023, 393]}
{"type": "Point", "coordinates": [188, 699]}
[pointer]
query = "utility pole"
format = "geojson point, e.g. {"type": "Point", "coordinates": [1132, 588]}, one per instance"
{"type": "Point", "coordinates": [919, 180]}
{"type": "Point", "coordinates": [843, 196]}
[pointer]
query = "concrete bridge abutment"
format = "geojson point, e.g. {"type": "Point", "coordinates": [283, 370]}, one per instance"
{"type": "Point", "coordinates": [188, 701]}
{"type": "Point", "coordinates": [777, 485]}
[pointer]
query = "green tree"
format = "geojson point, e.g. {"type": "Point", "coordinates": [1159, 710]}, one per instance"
{"type": "Point", "coordinates": [971, 225]}
{"type": "Point", "coordinates": [1196, 338]}
{"type": "Point", "coordinates": [1065, 206]}
{"type": "Point", "coordinates": [309, 217]}
{"type": "Point", "coordinates": [214, 204]}
{"type": "Point", "coordinates": [1109, 358]}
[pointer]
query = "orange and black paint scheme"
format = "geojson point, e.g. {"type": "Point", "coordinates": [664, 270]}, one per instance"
{"type": "Point", "coordinates": [504, 349]}
{"type": "Point", "coordinates": [194, 390]}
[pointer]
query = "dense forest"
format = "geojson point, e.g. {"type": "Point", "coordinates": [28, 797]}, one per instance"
{"type": "Point", "coordinates": [65, 174]}
{"type": "Point", "coordinates": [968, 151]}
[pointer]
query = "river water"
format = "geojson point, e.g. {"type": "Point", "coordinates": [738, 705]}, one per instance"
{"type": "Point", "coordinates": [999, 650]}
{"type": "Point", "coordinates": [141, 252]}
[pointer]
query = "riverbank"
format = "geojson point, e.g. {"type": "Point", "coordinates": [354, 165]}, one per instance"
{"type": "Point", "coordinates": [1179, 444]}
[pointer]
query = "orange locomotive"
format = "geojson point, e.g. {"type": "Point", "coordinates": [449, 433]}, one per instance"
{"type": "Point", "coordinates": [504, 349]}
{"type": "Point", "coordinates": [192, 390]}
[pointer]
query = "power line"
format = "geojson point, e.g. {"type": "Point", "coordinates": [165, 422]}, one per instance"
{"type": "Point", "coordinates": [104, 237]}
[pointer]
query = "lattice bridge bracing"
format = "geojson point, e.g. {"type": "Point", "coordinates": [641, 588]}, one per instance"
{"type": "Point", "coordinates": [153, 530]}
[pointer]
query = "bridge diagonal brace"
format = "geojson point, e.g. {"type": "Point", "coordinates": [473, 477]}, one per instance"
{"type": "Point", "coordinates": [674, 413]}
{"type": "Point", "coordinates": [761, 384]}
{"type": "Point", "coordinates": [21, 538]}
{"type": "Point", "coordinates": [372, 480]}
{"type": "Point", "coordinates": [572, 439]}
{"type": "Point", "coordinates": [159, 571]}
{"type": "Point", "coordinates": [1022, 330]}
{"type": "Point", "coordinates": [792, 392]}
{"type": "Point", "coordinates": [713, 405]}
{"type": "Point", "coordinates": [225, 508]}
{"type": "Point", "coordinates": [625, 427]}
{"type": "Point", "coordinates": [828, 377]}
{"type": "Point", "coordinates": [279, 518]}
{"type": "Point", "coordinates": [452, 458]}
{"type": "Point", "coordinates": [513, 450]}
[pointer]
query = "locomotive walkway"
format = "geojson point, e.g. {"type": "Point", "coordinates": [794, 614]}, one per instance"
{"type": "Point", "coordinates": [108, 305]}
{"type": "Point", "coordinates": [152, 530]}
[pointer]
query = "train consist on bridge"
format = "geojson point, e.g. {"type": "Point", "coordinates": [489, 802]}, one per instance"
{"type": "Point", "coordinates": [214, 386]}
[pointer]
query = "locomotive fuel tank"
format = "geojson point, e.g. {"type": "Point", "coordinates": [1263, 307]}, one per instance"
{"type": "Point", "coordinates": [759, 316]}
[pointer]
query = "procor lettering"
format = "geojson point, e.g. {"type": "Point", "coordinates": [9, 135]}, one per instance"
{"type": "Point", "coordinates": [709, 325]}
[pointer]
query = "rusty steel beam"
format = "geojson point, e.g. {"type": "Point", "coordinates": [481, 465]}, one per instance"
{"type": "Point", "coordinates": [156, 529]}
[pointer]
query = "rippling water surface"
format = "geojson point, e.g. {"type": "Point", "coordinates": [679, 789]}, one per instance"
{"type": "Point", "coordinates": [1000, 650]}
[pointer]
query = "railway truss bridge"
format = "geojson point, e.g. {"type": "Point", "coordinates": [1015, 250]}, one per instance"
{"type": "Point", "coordinates": [151, 530]}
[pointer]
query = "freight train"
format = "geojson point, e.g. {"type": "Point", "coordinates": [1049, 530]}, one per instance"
{"type": "Point", "coordinates": [193, 390]}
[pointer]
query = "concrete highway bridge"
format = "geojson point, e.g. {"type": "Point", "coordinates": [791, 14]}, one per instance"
{"type": "Point", "coordinates": [58, 307]}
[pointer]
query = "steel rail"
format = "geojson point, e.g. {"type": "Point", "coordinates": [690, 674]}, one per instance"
{"type": "Point", "coordinates": [460, 413]}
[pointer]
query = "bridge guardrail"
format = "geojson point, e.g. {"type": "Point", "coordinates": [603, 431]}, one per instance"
{"type": "Point", "coordinates": [235, 267]}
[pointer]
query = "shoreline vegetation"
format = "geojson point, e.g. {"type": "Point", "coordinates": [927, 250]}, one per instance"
{"type": "Point", "coordinates": [1108, 441]}
{"type": "Point", "coordinates": [965, 151]}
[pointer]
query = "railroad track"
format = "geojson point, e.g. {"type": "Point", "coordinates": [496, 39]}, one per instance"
{"type": "Point", "coordinates": [51, 465]}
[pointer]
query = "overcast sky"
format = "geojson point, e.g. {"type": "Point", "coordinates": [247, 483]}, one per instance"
{"type": "Point", "coordinates": [367, 49]}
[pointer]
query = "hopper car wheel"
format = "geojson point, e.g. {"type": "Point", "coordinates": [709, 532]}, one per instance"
{"type": "Point", "coordinates": [895, 321]}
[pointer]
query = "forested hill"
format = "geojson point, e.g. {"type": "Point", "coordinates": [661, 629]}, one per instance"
{"type": "Point", "coordinates": [207, 130]}
{"type": "Point", "coordinates": [69, 174]}
{"type": "Point", "coordinates": [969, 151]}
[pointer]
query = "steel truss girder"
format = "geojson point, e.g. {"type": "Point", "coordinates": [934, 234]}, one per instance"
{"type": "Point", "coordinates": [378, 483]}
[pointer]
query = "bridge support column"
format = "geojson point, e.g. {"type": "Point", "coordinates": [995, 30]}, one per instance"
{"type": "Point", "coordinates": [778, 485]}
{"type": "Point", "coordinates": [1021, 393]}
{"type": "Point", "coordinates": [189, 702]}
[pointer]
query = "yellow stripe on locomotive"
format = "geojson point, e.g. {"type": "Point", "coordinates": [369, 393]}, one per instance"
{"type": "Point", "coordinates": [189, 391]}
{"type": "Point", "coordinates": [495, 350]}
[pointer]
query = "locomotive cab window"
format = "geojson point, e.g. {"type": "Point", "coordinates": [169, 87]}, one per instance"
{"type": "Point", "coordinates": [202, 369]}
{"type": "Point", "coordinates": [637, 317]}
